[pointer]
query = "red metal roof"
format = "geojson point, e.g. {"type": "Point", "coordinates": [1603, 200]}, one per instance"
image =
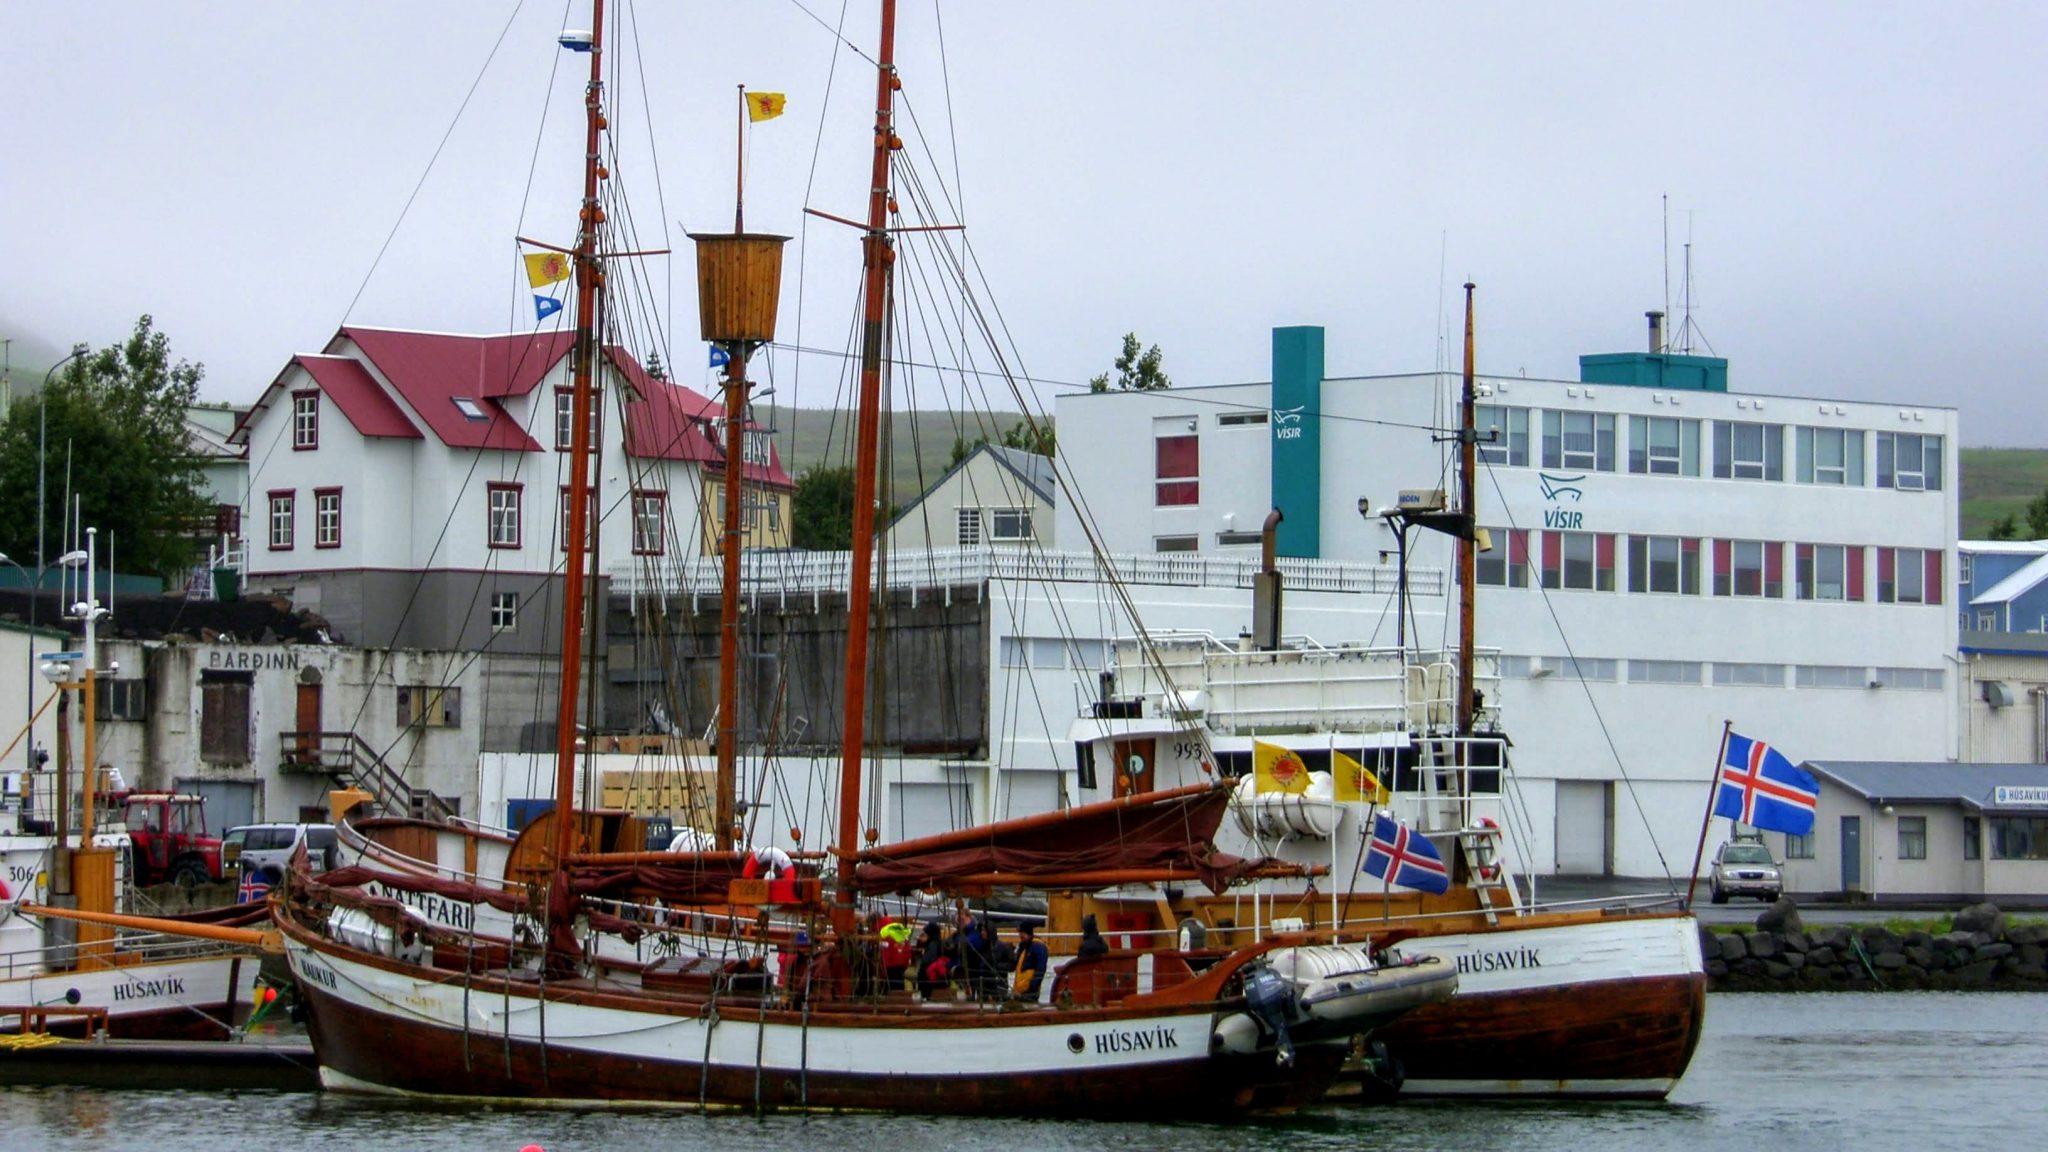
{"type": "Point", "coordinates": [358, 396]}
{"type": "Point", "coordinates": [434, 370]}
{"type": "Point", "coordinates": [670, 421]}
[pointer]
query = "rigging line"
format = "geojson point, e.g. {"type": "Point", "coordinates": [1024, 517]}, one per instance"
{"type": "Point", "coordinates": [540, 131]}
{"type": "Point", "coordinates": [431, 161]}
{"type": "Point", "coordinates": [838, 35]}
{"type": "Point", "coordinates": [654, 160]}
{"type": "Point", "coordinates": [1587, 688]}
{"type": "Point", "coordinates": [803, 244]}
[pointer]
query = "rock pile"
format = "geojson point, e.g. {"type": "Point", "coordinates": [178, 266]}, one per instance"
{"type": "Point", "coordinates": [1780, 954]}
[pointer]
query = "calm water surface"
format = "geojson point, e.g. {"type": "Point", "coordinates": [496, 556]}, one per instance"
{"type": "Point", "coordinates": [1945, 1071]}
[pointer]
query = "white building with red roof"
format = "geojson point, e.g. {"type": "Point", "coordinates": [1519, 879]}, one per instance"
{"type": "Point", "coordinates": [411, 487]}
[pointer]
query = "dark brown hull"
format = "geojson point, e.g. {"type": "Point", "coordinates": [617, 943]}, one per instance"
{"type": "Point", "coordinates": [376, 1052]}
{"type": "Point", "coordinates": [1609, 1038]}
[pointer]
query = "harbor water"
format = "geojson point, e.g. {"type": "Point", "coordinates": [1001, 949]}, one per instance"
{"type": "Point", "coordinates": [1953, 1071]}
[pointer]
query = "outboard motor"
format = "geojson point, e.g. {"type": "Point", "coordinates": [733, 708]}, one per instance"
{"type": "Point", "coordinates": [1270, 998]}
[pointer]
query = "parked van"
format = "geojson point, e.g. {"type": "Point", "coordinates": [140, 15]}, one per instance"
{"type": "Point", "coordinates": [259, 847]}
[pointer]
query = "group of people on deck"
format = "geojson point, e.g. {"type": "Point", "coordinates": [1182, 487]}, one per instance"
{"type": "Point", "coordinates": [969, 958]}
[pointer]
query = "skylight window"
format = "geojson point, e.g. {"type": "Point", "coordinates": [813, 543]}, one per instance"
{"type": "Point", "coordinates": [470, 409]}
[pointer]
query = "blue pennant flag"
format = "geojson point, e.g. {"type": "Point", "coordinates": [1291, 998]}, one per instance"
{"type": "Point", "coordinates": [1761, 788]}
{"type": "Point", "coordinates": [544, 307]}
{"type": "Point", "coordinates": [720, 357]}
{"type": "Point", "coordinates": [1408, 855]}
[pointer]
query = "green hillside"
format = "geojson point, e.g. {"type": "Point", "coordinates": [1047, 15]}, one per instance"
{"type": "Point", "coordinates": [1998, 482]}
{"type": "Point", "coordinates": [920, 442]}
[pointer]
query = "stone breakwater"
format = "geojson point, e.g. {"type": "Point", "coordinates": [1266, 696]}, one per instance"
{"type": "Point", "coordinates": [1781, 954]}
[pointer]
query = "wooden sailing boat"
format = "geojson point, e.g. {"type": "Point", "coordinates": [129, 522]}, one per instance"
{"type": "Point", "coordinates": [397, 1004]}
{"type": "Point", "coordinates": [1599, 1000]}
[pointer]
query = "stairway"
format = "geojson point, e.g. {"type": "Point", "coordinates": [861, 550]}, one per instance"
{"type": "Point", "coordinates": [351, 762]}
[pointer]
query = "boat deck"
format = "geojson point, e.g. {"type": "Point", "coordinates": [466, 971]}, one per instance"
{"type": "Point", "coordinates": [268, 1062]}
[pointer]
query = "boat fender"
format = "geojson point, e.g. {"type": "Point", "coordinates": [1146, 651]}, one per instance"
{"type": "Point", "coordinates": [1236, 1034]}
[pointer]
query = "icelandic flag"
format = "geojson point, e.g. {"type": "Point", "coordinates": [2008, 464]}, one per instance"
{"type": "Point", "coordinates": [544, 307]}
{"type": "Point", "coordinates": [720, 357]}
{"type": "Point", "coordinates": [1410, 856]}
{"type": "Point", "coordinates": [1761, 788]}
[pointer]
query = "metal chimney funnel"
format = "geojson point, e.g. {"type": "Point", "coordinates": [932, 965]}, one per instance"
{"type": "Point", "coordinates": [1656, 331]}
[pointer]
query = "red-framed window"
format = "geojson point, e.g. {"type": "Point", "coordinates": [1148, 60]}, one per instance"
{"type": "Point", "coordinates": [1507, 565]}
{"type": "Point", "coordinates": [305, 420]}
{"type": "Point", "coordinates": [562, 522]}
{"type": "Point", "coordinates": [283, 519]}
{"type": "Point", "coordinates": [1749, 568]}
{"type": "Point", "coordinates": [1582, 560]}
{"type": "Point", "coordinates": [504, 504]}
{"type": "Point", "coordinates": [1177, 467]}
{"type": "Point", "coordinates": [650, 523]}
{"type": "Point", "coordinates": [1909, 575]}
{"type": "Point", "coordinates": [326, 517]}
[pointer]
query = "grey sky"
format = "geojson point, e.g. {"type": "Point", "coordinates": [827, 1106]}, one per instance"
{"type": "Point", "coordinates": [1860, 181]}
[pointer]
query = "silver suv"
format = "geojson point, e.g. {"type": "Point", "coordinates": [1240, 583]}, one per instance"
{"type": "Point", "coordinates": [1745, 868]}
{"type": "Point", "coordinates": [259, 847]}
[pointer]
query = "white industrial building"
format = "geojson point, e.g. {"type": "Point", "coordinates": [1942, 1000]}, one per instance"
{"type": "Point", "coordinates": [1667, 555]}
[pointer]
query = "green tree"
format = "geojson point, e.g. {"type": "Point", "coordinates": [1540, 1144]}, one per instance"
{"type": "Point", "coordinates": [120, 414]}
{"type": "Point", "coordinates": [2007, 528]}
{"type": "Point", "coordinates": [822, 513]}
{"type": "Point", "coordinates": [1030, 435]}
{"type": "Point", "coordinates": [2037, 516]}
{"type": "Point", "coordinates": [1136, 371]}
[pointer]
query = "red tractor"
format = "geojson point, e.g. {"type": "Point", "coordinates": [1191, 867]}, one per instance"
{"type": "Point", "coordinates": [167, 834]}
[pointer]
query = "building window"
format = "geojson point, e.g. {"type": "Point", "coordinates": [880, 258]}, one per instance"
{"type": "Point", "coordinates": [470, 409]}
{"type": "Point", "coordinates": [1749, 568]}
{"type": "Point", "coordinates": [1663, 446]}
{"type": "Point", "coordinates": [1912, 837]}
{"type": "Point", "coordinates": [565, 418]}
{"type": "Point", "coordinates": [1829, 676]}
{"type": "Point", "coordinates": [1973, 838]}
{"type": "Point", "coordinates": [1828, 572]}
{"type": "Point", "coordinates": [326, 517]}
{"type": "Point", "coordinates": [1579, 440]}
{"type": "Point", "coordinates": [970, 527]}
{"type": "Point", "coordinates": [1664, 564]}
{"type": "Point", "coordinates": [1009, 524]}
{"type": "Point", "coordinates": [1176, 543]}
{"type": "Point", "coordinates": [430, 707]}
{"type": "Point", "coordinates": [1828, 456]}
{"type": "Point", "coordinates": [590, 522]}
{"type": "Point", "coordinates": [1966, 568]}
{"type": "Point", "coordinates": [1503, 434]}
{"type": "Point", "coordinates": [1595, 668]}
{"type": "Point", "coordinates": [1744, 451]}
{"type": "Point", "coordinates": [2019, 837]}
{"type": "Point", "coordinates": [1987, 620]}
{"type": "Point", "coordinates": [1583, 560]}
{"type": "Point", "coordinates": [1908, 461]}
{"type": "Point", "coordinates": [1231, 539]}
{"type": "Point", "coordinates": [1908, 576]}
{"type": "Point", "coordinates": [305, 421]}
{"type": "Point", "coordinates": [1507, 565]}
{"type": "Point", "coordinates": [650, 521]}
{"type": "Point", "coordinates": [1916, 679]}
{"type": "Point", "coordinates": [1664, 672]}
{"type": "Point", "coordinates": [1734, 675]}
{"type": "Point", "coordinates": [1799, 847]}
{"type": "Point", "coordinates": [121, 699]}
{"type": "Point", "coordinates": [224, 717]}
{"type": "Point", "coordinates": [1177, 466]}
{"type": "Point", "coordinates": [282, 520]}
{"type": "Point", "coordinates": [1240, 419]}
{"type": "Point", "coordinates": [505, 518]}
{"type": "Point", "coordinates": [504, 611]}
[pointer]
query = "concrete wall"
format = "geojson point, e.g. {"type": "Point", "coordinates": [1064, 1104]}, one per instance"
{"type": "Point", "coordinates": [22, 687]}
{"type": "Point", "coordinates": [2015, 733]}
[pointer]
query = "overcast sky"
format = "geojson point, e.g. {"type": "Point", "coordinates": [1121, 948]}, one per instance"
{"type": "Point", "coordinates": [1861, 183]}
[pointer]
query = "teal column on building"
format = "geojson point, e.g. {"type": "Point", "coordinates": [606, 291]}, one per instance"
{"type": "Point", "coordinates": [1297, 429]}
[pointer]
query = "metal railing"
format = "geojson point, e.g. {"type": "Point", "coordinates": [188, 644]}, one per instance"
{"type": "Point", "coordinates": [810, 573]}
{"type": "Point", "coordinates": [350, 759]}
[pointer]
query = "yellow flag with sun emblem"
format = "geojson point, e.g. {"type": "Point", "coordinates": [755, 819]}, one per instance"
{"type": "Point", "coordinates": [764, 106]}
{"type": "Point", "coordinates": [544, 268]}
{"type": "Point", "coordinates": [1354, 782]}
{"type": "Point", "coordinates": [1277, 769]}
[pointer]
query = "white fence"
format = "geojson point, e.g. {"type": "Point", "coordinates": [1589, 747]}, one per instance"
{"type": "Point", "coordinates": [791, 573]}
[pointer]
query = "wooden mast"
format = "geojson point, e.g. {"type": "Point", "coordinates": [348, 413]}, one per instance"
{"type": "Point", "coordinates": [876, 260]}
{"type": "Point", "coordinates": [589, 282]}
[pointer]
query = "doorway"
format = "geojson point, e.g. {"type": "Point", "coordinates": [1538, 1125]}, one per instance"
{"type": "Point", "coordinates": [1852, 853]}
{"type": "Point", "coordinates": [1585, 828]}
{"type": "Point", "coordinates": [1133, 766]}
